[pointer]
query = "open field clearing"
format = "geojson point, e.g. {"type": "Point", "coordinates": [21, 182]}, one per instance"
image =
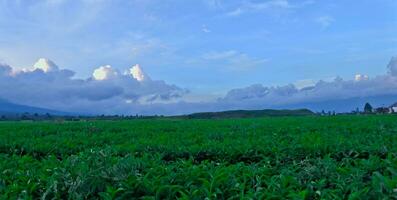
{"type": "Point", "coordinates": [335, 157]}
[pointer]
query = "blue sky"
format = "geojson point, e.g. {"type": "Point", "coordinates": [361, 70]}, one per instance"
{"type": "Point", "coordinates": [206, 46]}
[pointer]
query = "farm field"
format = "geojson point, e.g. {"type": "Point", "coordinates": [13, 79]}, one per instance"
{"type": "Point", "coordinates": [333, 157]}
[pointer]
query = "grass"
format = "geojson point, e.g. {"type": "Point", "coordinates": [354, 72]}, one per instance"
{"type": "Point", "coordinates": [337, 157]}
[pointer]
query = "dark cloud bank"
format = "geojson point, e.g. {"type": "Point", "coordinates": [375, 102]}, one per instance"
{"type": "Point", "coordinates": [133, 92]}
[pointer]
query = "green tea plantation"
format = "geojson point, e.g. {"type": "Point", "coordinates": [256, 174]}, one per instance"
{"type": "Point", "coordinates": [333, 157]}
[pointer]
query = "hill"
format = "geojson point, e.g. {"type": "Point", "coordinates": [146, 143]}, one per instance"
{"type": "Point", "coordinates": [249, 114]}
{"type": "Point", "coordinates": [8, 108]}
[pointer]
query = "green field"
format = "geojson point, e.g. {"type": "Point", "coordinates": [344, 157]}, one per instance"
{"type": "Point", "coordinates": [333, 157]}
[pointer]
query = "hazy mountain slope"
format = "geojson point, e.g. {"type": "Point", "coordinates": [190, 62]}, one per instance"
{"type": "Point", "coordinates": [12, 108]}
{"type": "Point", "coordinates": [347, 105]}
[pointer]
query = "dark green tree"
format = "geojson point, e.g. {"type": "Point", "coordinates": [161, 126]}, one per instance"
{"type": "Point", "coordinates": [368, 108]}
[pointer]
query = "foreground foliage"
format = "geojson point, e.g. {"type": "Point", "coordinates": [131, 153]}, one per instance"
{"type": "Point", "coordinates": [339, 157]}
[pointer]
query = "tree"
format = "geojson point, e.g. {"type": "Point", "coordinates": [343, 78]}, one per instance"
{"type": "Point", "coordinates": [382, 110]}
{"type": "Point", "coordinates": [368, 108]}
{"type": "Point", "coordinates": [48, 116]}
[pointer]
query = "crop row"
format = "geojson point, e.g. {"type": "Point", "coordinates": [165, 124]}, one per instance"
{"type": "Point", "coordinates": [341, 157]}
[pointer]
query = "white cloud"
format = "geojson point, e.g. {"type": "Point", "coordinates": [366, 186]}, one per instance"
{"type": "Point", "coordinates": [360, 77]}
{"type": "Point", "coordinates": [137, 73]}
{"type": "Point", "coordinates": [234, 60]}
{"type": "Point", "coordinates": [45, 85]}
{"type": "Point", "coordinates": [270, 5]}
{"type": "Point", "coordinates": [104, 73]}
{"type": "Point", "coordinates": [213, 4]}
{"type": "Point", "coordinates": [205, 29]}
{"type": "Point", "coordinates": [215, 55]}
{"type": "Point", "coordinates": [259, 96]}
{"type": "Point", "coordinates": [74, 15]}
{"type": "Point", "coordinates": [325, 21]}
{"type": "Point", "coordinates": [236, 12]}
{"type": "Point", "coordinates": [45, 65]}
{"type": "Point", "coordinates": [305, 83]}
{"type": "Point", "coordinates": [138, 46]}
{"type": "Point", "coordinates": [125, 94]}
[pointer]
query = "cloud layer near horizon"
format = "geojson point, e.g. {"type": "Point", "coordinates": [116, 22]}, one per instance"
{"type": "Point", "coordinates": [133, 92]}
{"type": "Point", "coordinates": [338, 89]}
{"type": "Point", "coordinates": [107, 91]}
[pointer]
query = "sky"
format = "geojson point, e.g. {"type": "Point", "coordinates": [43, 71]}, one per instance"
{"type": "Point", "coordinates": [192, 52]}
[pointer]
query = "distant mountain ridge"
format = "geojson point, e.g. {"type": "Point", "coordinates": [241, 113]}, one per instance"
{"type": "Point", "coordinates": [346, 105]}
{"type": "Point", "coordinates": [8, 108]}
{"type": "Point", "coordinates": [249, 114]}
{"type": "Point", "coordinates": [339, 106]}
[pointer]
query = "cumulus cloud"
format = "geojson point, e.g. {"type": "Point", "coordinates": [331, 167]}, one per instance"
{"type": "Point", "coordinates": [111, 92]}
{"type": "Point", "coordinates": [360, 77]}
{"type": "Point", "coordinates": [104, 73]}
{"type": "Point", "coordinates": [46, 85]}
{"type": "Point", "coordinates": [45, 65]}
{"type": "Point", "coordinates": [137, 73]}
{"type": "Point", "coordinates": [361, 87]}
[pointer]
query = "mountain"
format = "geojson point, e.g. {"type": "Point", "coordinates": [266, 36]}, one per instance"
{"type": "Point", "coordinates": [249, 114]}
{"type": "Point", "coordinates": [8, 108]}
{"type": "Point", "coordinates": [346, 105]}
